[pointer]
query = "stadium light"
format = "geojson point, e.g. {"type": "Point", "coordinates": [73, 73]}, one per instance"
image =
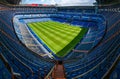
{"type": "Point", "coordinates": [96, 7]}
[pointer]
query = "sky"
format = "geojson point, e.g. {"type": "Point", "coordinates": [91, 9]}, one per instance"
{"type": "Point", "coordinates": [60, 2]}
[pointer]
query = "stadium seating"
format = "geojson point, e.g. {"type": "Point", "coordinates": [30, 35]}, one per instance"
{"type": "Point", "coordinates": [78, 65]}
{"type": "Point", "coordinates": [115, 73]}
{"type": "Point", "coordinates": [4, 72]}
{"type": "Point", "coordinates": [88, 42]}
{"type": "Point", "coordinates": [91, 58]}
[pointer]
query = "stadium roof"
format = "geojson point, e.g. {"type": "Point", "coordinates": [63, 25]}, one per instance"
{"type": "Point", "coordinates": [61, 2]}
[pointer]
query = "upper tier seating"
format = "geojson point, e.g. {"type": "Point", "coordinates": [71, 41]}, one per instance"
{"type": "Point", "coordinates": [98, 62]}
{"type": "Point", "coordinates": [92, 65]}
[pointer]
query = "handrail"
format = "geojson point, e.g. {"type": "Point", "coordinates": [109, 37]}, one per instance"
{"type": "Point", "coordinates": [108, 73]}
{"type": "Point", "coordinates": [48, 75]}
{"type": "Point", "coordinates": [10, 69]}
{"type": "Point", "coordinates": [90, 63]}
{"type": "Point", "coordinates": [116, 33]}
{"type": "Point", "coordinates": [19, 42]}
{"type": "Point", "coordinates": [89, 15]}
{"type": "Point", "coordinates": [19, 60]}
{"type": "Point", "coordinates": [97, 64]}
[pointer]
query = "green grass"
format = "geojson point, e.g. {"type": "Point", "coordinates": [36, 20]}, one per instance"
{"type": "Point", "coordinates": [60, 38]}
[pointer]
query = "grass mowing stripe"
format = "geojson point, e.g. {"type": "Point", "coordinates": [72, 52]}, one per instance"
{"type": "Point", "coordinates": [61, 26]}
{"type": "Point", "coordinates": [60, 44]}
{"type": "Point", "coordinates": [61, 34]}
{"type": "Point", "coordinates": [41, 31]}
{"type": "Point", "coordinates": [49, 34]}
{"type": "Point", "coordinates": [54, 32]}
{"type": "Point", "coordinates": [46, 39]}
{"type": "Point", "coordinates": [67, 35]}
{"type": "Point", "coordinates": [58, 37]}
{"type": "Point", "coordinates": [61, 29]}
{"type": "Point", "coordinates": [57, 33]}
{"type": "Point", "coordinates": [65, 25]}
{"type": "Point", "coordinates": [72, 44]}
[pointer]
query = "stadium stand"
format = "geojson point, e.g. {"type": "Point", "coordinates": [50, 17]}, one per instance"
{"type": "Point", "coordinates": [94, 28]}
{"type": "Point", "coordinates": [92, 58]}
{"type": "Point", "coordinates": [115, 73]}
{"type": "Point", "coordinates": [5, 70]}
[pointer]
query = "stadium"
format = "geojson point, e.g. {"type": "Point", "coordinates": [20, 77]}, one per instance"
{"type": "Point", "coordinates": [60, 41]}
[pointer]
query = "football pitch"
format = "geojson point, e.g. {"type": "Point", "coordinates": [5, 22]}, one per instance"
{"type": "Point", "coordinates": [60, 38]}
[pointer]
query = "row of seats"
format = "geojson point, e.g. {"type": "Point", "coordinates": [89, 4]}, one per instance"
{"type": "Point", "coordinates": [89, 41]}
{"type": "Point", "coordinates": [98, 62]}
{"type": "Point", "coordinates": [4, 72]}
{"type": "Point", "coordinates": [23, 61]}
{"type": "Point", "coordinates": [29, 65]}
{"type": "Point", "coordinates": [116, 72]}
{"type": "Point", "coordinates": [23, 33]}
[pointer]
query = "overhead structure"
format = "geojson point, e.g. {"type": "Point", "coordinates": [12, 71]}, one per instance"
{"type": "Point", "coordinates": [106, 1]}
{"type": "Point", "coordinates": [13, 1]}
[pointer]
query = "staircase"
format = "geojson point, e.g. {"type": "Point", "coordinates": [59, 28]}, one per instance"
{"type": "Point", "coordinates": [58, 72]}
